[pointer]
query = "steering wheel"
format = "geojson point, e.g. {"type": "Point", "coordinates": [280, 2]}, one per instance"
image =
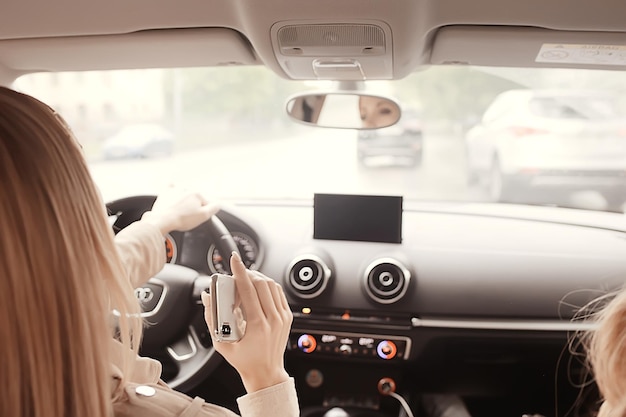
{"type": "Point", "coordinates": [171, 301]}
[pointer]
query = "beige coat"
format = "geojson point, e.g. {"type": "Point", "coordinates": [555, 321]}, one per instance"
{"type": "Point", "coordinates": [143, 252]}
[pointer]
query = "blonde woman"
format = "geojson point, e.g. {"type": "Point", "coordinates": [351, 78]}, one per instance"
{"type": "Point", "coordinates": [607, 355]}
{"type": "Point", "coordinates": [61, 276]}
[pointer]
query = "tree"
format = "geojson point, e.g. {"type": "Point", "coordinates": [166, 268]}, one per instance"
{"type": "Point", "coordinates": [456, 94]}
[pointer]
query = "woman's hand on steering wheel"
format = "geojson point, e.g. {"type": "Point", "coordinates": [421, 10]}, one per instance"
{"type": "Point", "coordinates": [179, 209]}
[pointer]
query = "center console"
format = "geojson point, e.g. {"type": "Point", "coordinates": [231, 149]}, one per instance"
{"type": "Point", "coordinates": [349, 362]}
{"type": "Point", "coordinates": [356, 345]}
{"type": "Point", "coordinates": [345, 374]}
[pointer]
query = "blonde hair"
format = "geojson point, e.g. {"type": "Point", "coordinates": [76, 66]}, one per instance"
{"type": "Point", "coordinates": [60, 274]}
{"type": "Point", "coordinates": [606, 350]}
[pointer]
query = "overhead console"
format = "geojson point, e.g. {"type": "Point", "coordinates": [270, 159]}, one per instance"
{"type": "Point", "coordinates": [354, 50]}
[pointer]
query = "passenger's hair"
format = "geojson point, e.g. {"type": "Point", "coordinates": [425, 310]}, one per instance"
{"type": "Point", "coordinates": [606, 350]}
{"type": "Point", "coordinates": [60, 274]}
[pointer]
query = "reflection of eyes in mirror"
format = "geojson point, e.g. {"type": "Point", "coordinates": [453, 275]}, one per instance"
{"type": "Point", "coordinates": [377, 112]}
{"type": "Point", "coordinates": [344, 110]}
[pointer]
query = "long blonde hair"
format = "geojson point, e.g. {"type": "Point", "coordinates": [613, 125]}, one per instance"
{"type": "Point", "coordinates": [606, 350]}
{"type": "Point", "coordinates": [60, 274]}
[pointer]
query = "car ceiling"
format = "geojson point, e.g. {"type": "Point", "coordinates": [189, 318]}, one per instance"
{"type": "Point", "coordinates": [39, 35]}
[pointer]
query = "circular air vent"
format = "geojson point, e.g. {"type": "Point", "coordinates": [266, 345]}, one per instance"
{"type": "Point", "coordinates": [308, 276]}
{"type": "Point", "coordinates": [386, 280]}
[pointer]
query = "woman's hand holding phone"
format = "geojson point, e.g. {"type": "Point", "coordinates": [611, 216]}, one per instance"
{"type": "Point", "coordinates": [259, 355]}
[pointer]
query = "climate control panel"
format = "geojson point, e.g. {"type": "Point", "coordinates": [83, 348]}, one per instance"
{"type": "Point", "coordinates": [356, 345]}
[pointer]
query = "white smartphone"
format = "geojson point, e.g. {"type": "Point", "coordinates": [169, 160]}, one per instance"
{"type": "Point", "coordinates": [228, 324]}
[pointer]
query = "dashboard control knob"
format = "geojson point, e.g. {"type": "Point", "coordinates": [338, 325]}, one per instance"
{"type": "Point", "coordinates": [345, 349]}
{"type": "Point", "coordinates": [387, 349]}
{"type": "Point", "coordinates": [307, 343]}
{"type": "Point", "coordinates": [314, 378]}
{"type": "Point", "coordinates": [386, 386]}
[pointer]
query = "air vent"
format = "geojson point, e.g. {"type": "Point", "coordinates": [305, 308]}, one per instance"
{"type": "Point", "coordinates": [386, 280]}
{"type": "Point", "coordinates": [308, 276]}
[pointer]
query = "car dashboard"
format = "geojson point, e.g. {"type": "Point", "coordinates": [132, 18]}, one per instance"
{"type": "Point", "coordinates": [477, 299]}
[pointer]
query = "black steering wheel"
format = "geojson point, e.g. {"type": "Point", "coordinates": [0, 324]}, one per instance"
{"type": "Point", "coordinates": [171, 302]}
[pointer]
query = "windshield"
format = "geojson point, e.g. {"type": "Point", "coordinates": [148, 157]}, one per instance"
{"type": "Point", "coordinates": [550, 136]}
{"type": "Point", "coordinates": [575, 107]}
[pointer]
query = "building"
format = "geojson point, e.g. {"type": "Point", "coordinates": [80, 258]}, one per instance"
{"type": "Point", "coordinates": [98, 103]}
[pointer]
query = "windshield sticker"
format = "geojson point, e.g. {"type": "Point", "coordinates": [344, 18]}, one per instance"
{"type": "Point", "coordinates": [560, 53]}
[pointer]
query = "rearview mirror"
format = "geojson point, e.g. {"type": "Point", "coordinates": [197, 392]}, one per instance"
{"type": "Point", "coordinates": [343, 110]}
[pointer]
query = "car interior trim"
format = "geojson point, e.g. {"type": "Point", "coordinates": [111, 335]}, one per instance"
{"type": "Point", "coordinates": [143, 49]}
{"type": "Point", "coordinates": [301, 290]}
{"type": "Point", "coordinates": [515, 325]}
{"type": "Point", "coordinates": [407, 340]}
{"type": "Point", "coordinates": [192, 345]}
{"type": "Point", "coordinates": [385, 297]}
{"type": "Point", "coordinates": [356, 50]}
{"type": "Point", "coordinates": [456, 44]}
{"type": "Point", "coordinates": [156, 308]}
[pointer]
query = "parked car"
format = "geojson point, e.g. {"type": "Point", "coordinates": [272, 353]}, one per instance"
{"type": "Point", "coordinates": [534, 141]}
{"type": "Point", "coordinates": [139, 141]}
{"type": "Point", "coordinates": [400, 144]}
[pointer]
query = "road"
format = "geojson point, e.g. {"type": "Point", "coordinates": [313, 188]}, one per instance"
{"type": "Point", "coordinates": [323, 161]}
{"type": "Point", "coordinates": [318, 161]}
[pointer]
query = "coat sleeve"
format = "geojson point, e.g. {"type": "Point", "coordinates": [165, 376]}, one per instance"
{"type": "Point", "coordinates": [158, 400]}
{"type": "Point", "coordinates": [142, 250]}
{"type": "Point", "coordinates": [279, 400]}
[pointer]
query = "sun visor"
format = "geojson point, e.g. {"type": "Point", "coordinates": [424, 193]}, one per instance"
{"type": "Point", "coordinates": [145, 49]}
{"type": "Point", "coordinates": [326, 51]}
{"type": "Point", "coordinates": [528, 47]}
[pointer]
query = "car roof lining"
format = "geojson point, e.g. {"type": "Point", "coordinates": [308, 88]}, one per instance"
{"type": "Point", "coordinates": [120, 34]}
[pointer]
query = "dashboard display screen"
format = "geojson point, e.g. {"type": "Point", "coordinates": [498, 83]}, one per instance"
{"type": "Point", "coordinates": [365, 218]}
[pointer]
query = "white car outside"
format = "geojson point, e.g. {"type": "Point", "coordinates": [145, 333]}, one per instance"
{"type": "Point", "coordinates": [533, 141]}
